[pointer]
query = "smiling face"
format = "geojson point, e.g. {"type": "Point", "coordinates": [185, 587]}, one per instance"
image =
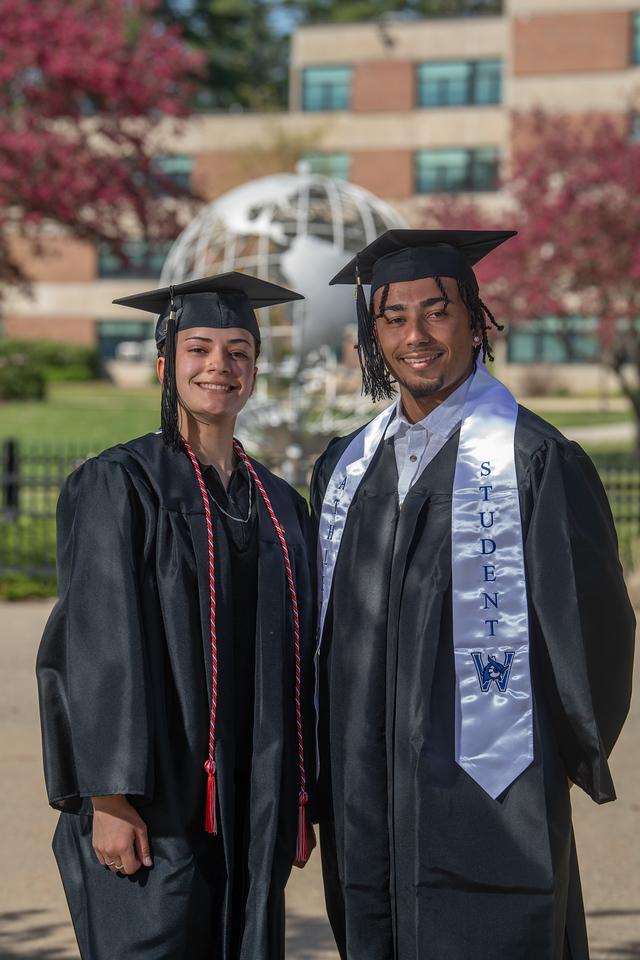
{"type": "Point", "coordinates": [427, 344]}
{"type": "Point", "coordinates": [215, 371]}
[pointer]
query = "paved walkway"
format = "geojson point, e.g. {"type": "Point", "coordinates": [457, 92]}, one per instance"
{"type": "Point", "coordinates": [33, 916]}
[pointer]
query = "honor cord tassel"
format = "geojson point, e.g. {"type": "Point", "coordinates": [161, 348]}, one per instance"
{"type": "Point", "coordinates": [302, 842]}
{"type": "Point", "coordinates": [210, 812]}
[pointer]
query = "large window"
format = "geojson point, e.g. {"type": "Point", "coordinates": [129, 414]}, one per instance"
{"type": "Point", "coordinates": [457, 171]}
{"type": "Point", "coordinates": [140, 259]}
{"type": "Point", "coordinates": [326, 88]}
{"type": "Point", "coordinates": [453, 83]}
{"type": "Point", "coordinates": [555, 340]}
{"type": "Point", "coordinates": [329, 164]}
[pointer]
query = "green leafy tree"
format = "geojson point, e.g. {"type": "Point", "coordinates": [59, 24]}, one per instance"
{"type": "Point", "coordinates": [246, 42]}
{"type": "Point", "coordinates": [572, 192]}
{"type": "Point", "coordinates": [349, 11]}
{"type": "Point", "coordinates": [246, 52]}
{"type": "Point", "coordinates": [82, 86]}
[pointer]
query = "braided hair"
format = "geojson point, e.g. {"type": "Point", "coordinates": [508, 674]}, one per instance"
{"type": "Point", "coordinates": [376, 379]}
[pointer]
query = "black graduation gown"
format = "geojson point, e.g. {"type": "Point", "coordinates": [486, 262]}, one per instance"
{"type": "Point", "coordinates": [419, 862]}
{"type": "Point", "coordinates": [124, 673]}
{"type": "Point", "coordinates": [238, 502]}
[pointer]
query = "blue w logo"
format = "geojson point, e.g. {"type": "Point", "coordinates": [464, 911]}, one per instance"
{"type": "Point", "coordinates": [493, 672]}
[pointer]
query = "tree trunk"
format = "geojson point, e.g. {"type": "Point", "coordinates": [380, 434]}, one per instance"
{"type": "Point", "coordinates": [631, 390]}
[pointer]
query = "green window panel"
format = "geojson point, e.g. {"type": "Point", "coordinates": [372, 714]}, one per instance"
{"type": "Point", "coordinates": [335, 165]}
{"type": "Point", "coordinates": [141, 259]}
{"type": "Point", "coordinates": [487, 82]}
{"type": "Point", "coordinates": [543, 341]}
{"type": "Point", "coordinates": [444, 84]}
{"type": "Point", "coordinates": [326, 88]}
{"type": "Point", "coordinates": [454, 83]}
{"type": "Point", "coordinates": [112, 333]}
{"type": "Point", "coordinates": [175, 167]}
{"type": "Point", "coordinates": [635, 51]}
{"type": "Point", "coordinates": [457, 171]}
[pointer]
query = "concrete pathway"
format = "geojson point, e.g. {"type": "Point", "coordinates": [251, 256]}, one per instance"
{"type": "Point", "coordinates": [33, 916]}
{"type": "Point", "coordinates": [34, 921]}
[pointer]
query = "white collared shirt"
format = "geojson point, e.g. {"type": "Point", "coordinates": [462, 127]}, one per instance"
{"type": "Point", "coordinates": [416, 444]}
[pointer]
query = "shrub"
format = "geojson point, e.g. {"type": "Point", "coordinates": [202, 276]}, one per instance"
{"type": "Point", "coordinates": [59, 361]}
{"type": "Point", "coordinates": [18, 586]}
{"type": "Point", "coordinates": [21, 377]}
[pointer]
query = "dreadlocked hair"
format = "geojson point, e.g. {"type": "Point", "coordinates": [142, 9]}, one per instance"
{"type": "Point", "coordinates": [480, 318]}
{"type": "Point", "coordinates": [376, 379]}
{"type": "Point", "coordinates": [169, 402]}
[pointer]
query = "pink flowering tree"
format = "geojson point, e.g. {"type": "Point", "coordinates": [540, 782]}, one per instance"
{"type": "Point", "coordinates": [82, 87]}
{"type": "Point", "coordinates": [573, 194]}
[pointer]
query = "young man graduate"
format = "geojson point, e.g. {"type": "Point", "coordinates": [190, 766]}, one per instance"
{"type": "Point", "coordinates": [173, 677]}
{"type": "Point", "coordinates": [475, 638]}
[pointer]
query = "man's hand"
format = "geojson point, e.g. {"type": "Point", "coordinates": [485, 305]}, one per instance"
{"type": "Point", "coordinates": [120, 836]}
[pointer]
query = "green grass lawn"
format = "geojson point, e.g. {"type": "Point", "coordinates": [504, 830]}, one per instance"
{"type": "Point", "coordinates": [613, 454]}
{"type": "Point", "coordinates": [91, 416]}
{"type": "Point", "coordinates": [583, 418]}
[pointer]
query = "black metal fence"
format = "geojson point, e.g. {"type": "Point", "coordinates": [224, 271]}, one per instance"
{"type": "Point", "coordinates": [31, 478]}
{"type": "Point", "coordinates": [622, 483]}
{"type": "Point", "coordinates": [30, 481]}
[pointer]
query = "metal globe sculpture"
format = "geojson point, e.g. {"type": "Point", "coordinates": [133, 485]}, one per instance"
{"type": "Point", "coordinates": [295, 229]}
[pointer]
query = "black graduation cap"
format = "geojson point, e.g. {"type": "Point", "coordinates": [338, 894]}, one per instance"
{"type": "Point", "coordinates": [400, 255]}
{"type": "Point", "coordinates": [225, 300]}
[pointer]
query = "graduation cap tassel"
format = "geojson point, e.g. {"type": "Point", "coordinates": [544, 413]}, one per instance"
{"type": "Point", "coordinates": [302, 842]}
{"type": "Point", "coordinates": [366, 345]}
{"type": "Point", "coordinates": [169, 402]}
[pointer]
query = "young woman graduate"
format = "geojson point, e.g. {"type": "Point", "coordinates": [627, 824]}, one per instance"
{"type": "Point", "coordinates": [173, 671]}
{"type": "Point", "coordinates": [476, 635]}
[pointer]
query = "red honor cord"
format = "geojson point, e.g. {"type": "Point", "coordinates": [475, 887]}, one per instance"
{"type": "Point", "coordinates": [302, 844]}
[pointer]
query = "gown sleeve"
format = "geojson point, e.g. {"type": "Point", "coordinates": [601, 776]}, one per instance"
{"type": "Point", "coordinates": [91, 666]}
{"type": "Point", "coordinates": [582, 611]}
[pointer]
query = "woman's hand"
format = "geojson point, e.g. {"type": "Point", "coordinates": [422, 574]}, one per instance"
{"type": "Point", "coordinates": [120, 837]}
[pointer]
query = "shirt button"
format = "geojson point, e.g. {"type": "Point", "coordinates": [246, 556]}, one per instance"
{"type": "Point", "coordinates": [413, 458]}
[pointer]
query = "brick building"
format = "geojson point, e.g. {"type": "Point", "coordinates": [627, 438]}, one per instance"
{"type": "Point", "coordinates": [403, 108]}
